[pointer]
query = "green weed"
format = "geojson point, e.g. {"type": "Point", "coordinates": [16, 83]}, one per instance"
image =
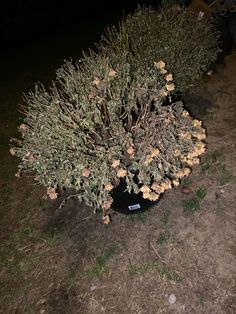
{"type": "Point", "coordinates": [23, 234]}
{"type": "Point", "coordinates": [201, 193]}
{"type": "Point", "coordinates": [193, 204]}
{"type": "Point", "coordinates": [100, 267]}
{"type": "Point", "coordinates": [185, 181]}
{"type": "Point", "coordinates": [140, 217]}
{"type": "Point", "coordinates": [162, 239]}
{"type": "Point", "coordinates": [157, 267]}
{"type": "Point", "coordinates": [51, 236]}
{"type": "Point", "coordinates": [225, 176]}
{"type": "Point", "coordinates": [165, 217]}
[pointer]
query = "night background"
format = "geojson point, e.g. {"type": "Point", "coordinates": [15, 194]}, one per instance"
{"type": "Point", "coordinates": [36, 34]}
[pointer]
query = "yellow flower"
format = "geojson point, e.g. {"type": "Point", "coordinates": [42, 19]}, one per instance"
{"type": "Point", "coordinates": [186, 135]}
{"type": "Point", "coordinates": [153, 196]}
{"type": "Point", "coordinates": [121, 173]}
{"type": "Point", "coordinates": [145, 189]}
{"type": "Point", "coordinates": [112, 73]}
{"type": "Point", "coordinates": [199, 148]}
{"type": "Point", "coordinates": [169, 77]}
{"type": "Point", "coordinates": [196, 161]}
{"type": "Point", "coordinates": [163, 71]}
{"type": "Point", "coordinates": [131, 151]}
{"type": "Point", "coordinates": [159, 188]}
{"type": "Point", "coordinates": [190, 162]}
{"type": "Point", "coordinates": [160, 64]}
{"type": "Point", "coordinates": [170, 87]}
{"type": "Point", "coordinates": [197, 123]}
{"type": "Point", "coordinates": [183, 159]}
{"type": "Point", "coordinates": [148, 159]}
{"type": "Point", "coordinates": [12, 151]}
{"type": "Point", "coordinates": [85, 172]}
{"type": "Point", "coordinates": [185, 113]}
{"type": "Point", "coordinates": [155, 152]}
{"type": "Point", "coordinates": [115, 163]}
{"type": "Point", "coordinates": [186, 171]}
{"type": "Point", "coordinates": [182, 173]}
{"type": "Point", "coordinates": [106, 219]}
{"type": "Point", "coordinates": [175, 182]}
{"type": "Point", "coordinates": [96, 81]}
{"type": "Point", "coordinates": [200, 136]}
{"type": "Point", "coordinates": [107, 204]}
{"type": "Point", "coordinates": [163, 92]}
{"type": "Point", "coordinates": [146, 195]}
{"type": "Point", "coordinates": [23, 127]}
{"type": "Point", "coordinates": [51, 192]}
{"type": "Point", "coordinates": [109, 186]}
{"type": "Point", "coordinates": [166, 184]}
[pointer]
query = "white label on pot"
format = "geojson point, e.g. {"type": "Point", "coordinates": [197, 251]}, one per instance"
{"type": "Point", "coordinates": [134, 207]}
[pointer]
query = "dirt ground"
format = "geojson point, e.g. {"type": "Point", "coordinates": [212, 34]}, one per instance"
{"type": "Point", "coordinates": [177, 257]}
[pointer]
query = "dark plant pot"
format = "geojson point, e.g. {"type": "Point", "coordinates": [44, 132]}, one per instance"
{"type": "Point", "coordinates": [129, 204]}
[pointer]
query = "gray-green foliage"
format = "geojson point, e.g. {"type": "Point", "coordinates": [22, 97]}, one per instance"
{"type": "Point", "coordinates": [176, 35]}
{"type": "Point", "coordinates": [103, 121]}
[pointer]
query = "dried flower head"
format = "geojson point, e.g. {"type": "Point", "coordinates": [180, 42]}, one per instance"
{"type": "Point", "coordinates": [157, 188]}
{"type": "Point", "coordinates": [154, 152]}
{"type": "Point", "coordinates": [146, 195]}
{"type": "Point", "coordinates": [160, 64]}
{"type": "Point", "coordinates": [52, 194]}
{"type": "Point", "coordinates": [12, 151]}
{"type": "Point", "coordinates": [175, 182]}
{"type": "Point", "coordinates": [115, 163]}
{"type": "Point", "coordinates": [186, 135]}
{"type": "Point", "coordinates": [163, 92]}
{"type": "Point", "coordinates": [197, 123]}
{"type": "Point", "coordinates": [185, 113]}
{"type": "Point", "coordinates": [169, 77]}
{"type": "Point", "coordinates": [166, 184]}
{"type": "Point", "coordinates": [109, 186]}
{"type": "Point", "coordinates": [153, 196]}
{"type": "Point", "coordinates": [145, 189]}
{"type": "Point", "coordinates": [163, 71]}
{"type": "Point", "coordinates": [23, 127]}
{"type": "Point", "coordinates": [121, 173]}
{"type": "Point", "coordinates": [96, 81]}
{"type": "Point", "coordinates": [170, 87]}
{"type": "Point", "coordinates": [107, 204]}
{"type": "Point", "coordinates": [86, 172]}
{"type": "Point", "coordinates": [112, 73]}
{"type": "Point", "coordinates": [200, 136]}
{"type": "Point", "coordinates": [106, 219]}
{"type": "Point", "coordinates": [131, 151]}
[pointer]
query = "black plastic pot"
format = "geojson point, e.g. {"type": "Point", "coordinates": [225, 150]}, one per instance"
{"type": "Point", "coordinates": [127, 203]}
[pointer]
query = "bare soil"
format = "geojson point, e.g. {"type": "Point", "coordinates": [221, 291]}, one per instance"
{"type": "Point", "coordinates": [66, 261]}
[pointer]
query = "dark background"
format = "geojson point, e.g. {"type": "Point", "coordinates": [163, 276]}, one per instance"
{"type": "Point", "coordinates": [24, 21]}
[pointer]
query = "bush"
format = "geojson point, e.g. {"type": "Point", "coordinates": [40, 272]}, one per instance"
{"type": "Point", "coordinates": [187, 43]}
{"type": "Point", "coordinates": [110, 117]}
{"type": "Point", "coordinates": [98, 125]}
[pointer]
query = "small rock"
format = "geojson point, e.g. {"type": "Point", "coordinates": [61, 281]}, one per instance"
{"type": "Point", "coordinates": [93, 287]}
{"type": "Point", "coordinates": [42, 311]}
{"type": "Point", "coordinates": [172, 299]}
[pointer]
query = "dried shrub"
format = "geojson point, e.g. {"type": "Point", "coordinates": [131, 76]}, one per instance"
{"type": "Point", "coordinates": [101, 123]}
{"type": "Point", "coordinates": [186, 41]}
